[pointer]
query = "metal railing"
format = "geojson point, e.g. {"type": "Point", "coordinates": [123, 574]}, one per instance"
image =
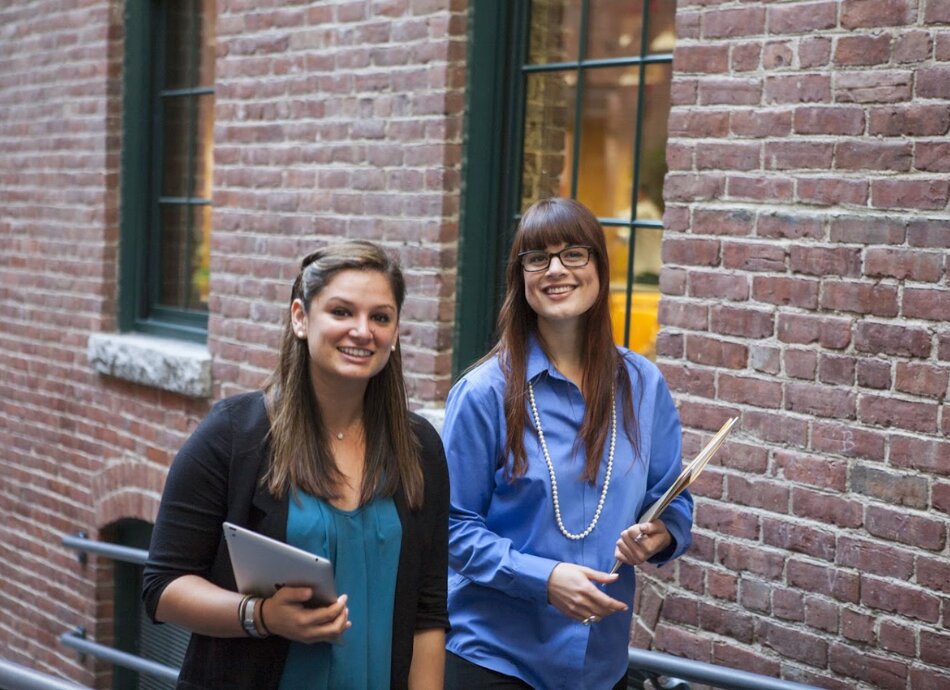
{"type": "Point", "coordinates": [76, 639]}
{"type": "Point", "coordinates": [658, 669]}
{"type": "Point", "coordinates": [13, 676]}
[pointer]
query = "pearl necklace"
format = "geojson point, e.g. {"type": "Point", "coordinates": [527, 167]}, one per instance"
{"type": "Point", "coordinates": [547, 459]}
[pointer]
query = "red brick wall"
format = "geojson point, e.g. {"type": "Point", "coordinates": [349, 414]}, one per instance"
{"type": "Point", "coordinates": [332, 119]}
{"type": "Point", "coordinates": [806, 289]}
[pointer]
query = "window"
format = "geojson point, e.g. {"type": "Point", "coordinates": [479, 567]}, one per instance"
{"type": "Point", "coordinates": [567, 98]}
{"type": "Point", "coordinates": [166, 167]}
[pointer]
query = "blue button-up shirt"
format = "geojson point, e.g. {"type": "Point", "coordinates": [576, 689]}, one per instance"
{"type": "Point", "coordinates": [504, 540]}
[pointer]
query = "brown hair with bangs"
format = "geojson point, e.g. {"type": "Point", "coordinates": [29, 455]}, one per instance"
{"type": "Point", "coordinates": [300, 445]}
{"type": "Point", "coordinates": [552, 222]}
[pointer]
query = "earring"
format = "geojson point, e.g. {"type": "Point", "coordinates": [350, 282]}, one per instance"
{"type": "Point", "coordinates": [393, 348]}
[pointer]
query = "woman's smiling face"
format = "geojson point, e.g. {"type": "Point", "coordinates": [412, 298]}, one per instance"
{"type": "Point", "coordinates": [351, 326]}
{"type": "Point", "coordinates": [559, 294]}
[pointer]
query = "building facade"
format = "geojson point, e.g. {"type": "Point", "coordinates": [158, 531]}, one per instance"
{"type": "Point", "coordinates": [773, 181]}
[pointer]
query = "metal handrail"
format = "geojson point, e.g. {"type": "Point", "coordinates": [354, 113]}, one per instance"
{"type": "Point", "coordinates": [709, 674]}
{"type": "Point", "coordinates": [14, 676]}
{"type": "Point", "coordinates": [77, 640]}
{"type": "Point", "coordinates": [116, 552]}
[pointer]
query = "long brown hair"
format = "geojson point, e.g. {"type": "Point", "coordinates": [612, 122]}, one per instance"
{"type": "Point", "coordinates": [300, 446]}
{"type": "Point", "coordinates": [551, 222]}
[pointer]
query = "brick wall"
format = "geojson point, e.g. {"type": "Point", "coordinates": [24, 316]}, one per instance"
{"type": "Point", "coordinates": [806, 289]}
{"type": "Point", "coordinates": [332, 119]}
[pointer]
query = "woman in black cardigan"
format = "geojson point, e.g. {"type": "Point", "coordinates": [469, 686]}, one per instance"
{"type": "Point", "coordinates": [326, 457]}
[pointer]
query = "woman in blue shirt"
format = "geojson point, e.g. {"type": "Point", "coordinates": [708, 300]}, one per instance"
{"type": "Point", "coordinates": [556, 441]}
{"type": "Point", "coordinates": [328, 458]}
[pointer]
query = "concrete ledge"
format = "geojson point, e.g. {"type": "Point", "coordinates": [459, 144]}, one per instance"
{"type": "Point", "coordinates": [172, 365]}
{"type": "Point", "coordinates": [435, 415]}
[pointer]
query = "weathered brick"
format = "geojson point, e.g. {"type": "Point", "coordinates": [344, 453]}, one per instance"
{"type": "Point", "coordinates": [859, 14]}
{"type": "Point", "coordinates": [821, 401]}
{"type": "Point", "coordinates": [721, 91]}
{"type": "Point", "coordinates": [874, 155]}
{"type": "Point", "coordinates": [737, 321]}
{"type": "Point", "coordinates": [729, 156]}
{"type": "Point", "coordinates": [912, 46]}
{"type": "Point", "coordinates": [863, 49]}
{"type": "Point", "coordinates": [827, 509]}
{"type": "Point", "coordinates": [833, 191]}
{"type": "Point", "coordinates": [799, 88]}
{"type": "Point", "coordinates": [814, 51]}
{"type": "Point", "coordinates": [858, 626]}
{"type": "Point", "coordinates": [873, 86]}
{"type": "Point", "coordinates": [690, 251]}
{"type": "Point", "coordinates": [921, 194]}
{"type": "Point", "coordinates": [875, 670]}
{"type": "Point", "coordinates": [697, 124]}
{"type": "Point", "coordinates": [874, 373]}
{"type": "Point", "coordinates": [847, 440]}
{"type": "Point", "coordinates": [918, 120]}
{"type": "Point", "coordinates": [901, 526]}
{"type": "Point", "coordinates": [715, 352]}
{"type": "Point", "coordinates": [867, 230]}
{"type": "Point", "coordinates": [716, 222]}
{"type": "Point", "coordinates": [891, 487]}
{"type": "Point", "coordinates": [798, 538]}
{"type": "Point", "coordinates": [783, 226]}
{"type": "Point", "coordinates": [932, 156]}
{"type": "Point", "coordinates": [745, 57]}
{"type": "Point", "coordinates": [897, 638]}
{"type": "Point", "coordinates": [928, 455]}
{"type": "Point", "coordinates": [802, 17]}
{"type": "Point", "coordinates": [761, 123]}
{"type": "Point", "coordinates": [701, 58]}
{"type": "Point", "coordinates": [796, 292]}
{"type": "Point", "coordinates": [830, 332]}
{"type": "Point", "coordinates": [760, 493]}
{"type": "Point", "coordinates": [836, 370]}
{"type": "Point", "coordinates": [921, 379]}
{"type": "Point", "coordinates": [683, 315]}
{"type": "Point", "coordinates": [728, 23]}
{"type": "Point", "coordinates": [902, 414]}
{"type": "Point", "coordinates": [759, 256]}
{"type": "Point", "coordinates": [794, 644]}
{"type": "Point", "coordinates": [775, 428]}
{"type": "Point", "coordinates": [720, 585]}
{"type": "Point", "coordinates": [896, 597]}
{"type": "Point", "coordinates": [829, 120]}
{"type": "Point", "coordinates": [788, 604]}
{"type": "Point", "coordinates": [822, 578]}
{"type": "Point", "coordinates": [923, 303]}
{"type": "Point", "coordinates": [933, 82]}
{"type": "Point", "coordinates": [800, 364]}
{"type": "Point", "coordinates": [901, 264]}
{"type": "Point", "coordinates": [861, 298]}
{"type": "Point", "coordinates": [821, 472]}
{"type": "Point", "coordinates": [798, 155]}
{"type": "Point", "coordinates": [745, 558]}
{"type": "Point", "coordinates": [884, 338]}
{"type": "Point", "coordinates": [825, 261]}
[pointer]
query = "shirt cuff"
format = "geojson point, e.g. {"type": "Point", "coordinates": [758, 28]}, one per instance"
{"type": "Point", "coordinates": [532, 575]}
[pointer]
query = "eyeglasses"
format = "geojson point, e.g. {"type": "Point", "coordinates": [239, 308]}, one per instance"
{"type": "Point", "coordinates": [574, 256]}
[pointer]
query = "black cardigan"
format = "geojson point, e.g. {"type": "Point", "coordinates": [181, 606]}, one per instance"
{"type": "Point", "coordinates": [216, 477]}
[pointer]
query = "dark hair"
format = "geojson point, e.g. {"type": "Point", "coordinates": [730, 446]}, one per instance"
{"type": "Point", "coordinates": [552, 222]}
{"type": "Point", "coordinates": [300, 448]}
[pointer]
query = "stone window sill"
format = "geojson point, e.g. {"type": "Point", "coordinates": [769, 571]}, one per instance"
{"type": "Point", "coordinates": [171, 365]}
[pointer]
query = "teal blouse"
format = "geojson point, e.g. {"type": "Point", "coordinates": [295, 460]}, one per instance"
{"type": "Point", "coordinates": [363, 545]}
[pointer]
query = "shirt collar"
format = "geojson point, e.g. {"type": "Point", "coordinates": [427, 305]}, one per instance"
{"type": "Point", "coordinates": [538, 362]}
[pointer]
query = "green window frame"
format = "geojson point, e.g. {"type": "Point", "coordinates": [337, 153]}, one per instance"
{"type": "Point", "coordinates": [165, 198]}
{"type": "Point", "coordinates": [499, 71]}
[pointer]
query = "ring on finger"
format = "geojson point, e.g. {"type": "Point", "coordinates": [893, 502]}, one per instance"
{"type": "Point", "coordinates": [590, 620]}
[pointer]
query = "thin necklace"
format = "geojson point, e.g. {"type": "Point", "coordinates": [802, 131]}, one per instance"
{"type": "Point", "coordinates": [547, 459]}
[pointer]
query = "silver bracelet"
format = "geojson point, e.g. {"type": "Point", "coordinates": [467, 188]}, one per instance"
{"type": "Point", "coordinates": [247, 617]}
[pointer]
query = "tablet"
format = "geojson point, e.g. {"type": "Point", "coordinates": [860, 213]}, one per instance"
{"type": "Point", "coordinates": [263, 565]}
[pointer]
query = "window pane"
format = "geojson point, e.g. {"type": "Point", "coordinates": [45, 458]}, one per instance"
{"type": "Point", "coordinates": [188, 146]}
{"type": "Point", "coordinates": [662, 26]}
{"type": "Point", "coordinates": [656, 113]}
{"type": "Point", "coordinates": [189, 44]}
{"type": "Point", "coordinates": [645, 294]}
{"type": "Point", "coordinates": [608, 125]}
{"type": "Point", "coordinates": [548, 133]}
{"type": "Point", "coordinates": [554, 33]}
{"type": "Point", "coordinates": [185, 256]}
{"type": "Point", "coordinates": [614, 28]}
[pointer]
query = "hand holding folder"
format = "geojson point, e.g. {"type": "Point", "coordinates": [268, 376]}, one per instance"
{"type": "Point", "coordinates": [685, 478]}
